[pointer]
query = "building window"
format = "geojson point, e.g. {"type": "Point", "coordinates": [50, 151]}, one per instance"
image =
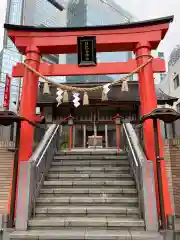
{"type": "Point", "coordinates": [162, 76]}
{"type": "Point", "coordinates": [161, 55]}
{"type": "Point", "coordinates": [165, 131]}
{"type": "Point", "coordinates": [178, 107]}
{"type": "Point", "coordinates": [173, 130]}
{"type": "Point", "coordinates": [176, 81]}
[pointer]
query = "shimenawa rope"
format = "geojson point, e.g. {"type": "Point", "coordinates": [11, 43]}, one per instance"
{"type": "Point", "coordinates": [97, 88]}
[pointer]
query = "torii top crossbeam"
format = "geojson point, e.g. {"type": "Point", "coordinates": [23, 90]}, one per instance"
{"type": "Point", "coordinates": [124, 37]}
{"type": "Point", "coordinates": [108, 38]}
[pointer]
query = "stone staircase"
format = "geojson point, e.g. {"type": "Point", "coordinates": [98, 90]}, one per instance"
{"type": "Point", "coordinates": [88, 196]}
{"type": "Point", "coordinates": [6, 170]}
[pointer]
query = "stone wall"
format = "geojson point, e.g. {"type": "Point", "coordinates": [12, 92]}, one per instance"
{"type": "Point", "coordinates": [172, 157]}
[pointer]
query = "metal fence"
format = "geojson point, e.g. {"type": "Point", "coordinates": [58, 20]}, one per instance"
{"type": "Point", "coordinates": [7, 136]}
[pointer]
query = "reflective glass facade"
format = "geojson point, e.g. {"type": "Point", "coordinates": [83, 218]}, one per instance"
{"type": "Point", "coordinates": [8, 60]}
{"type": "Point", "coordinates": [44, 13]}
{"type": "Point", "coordinates": [10, 55]}
{"type": "Point", "coordinates": [28, 12]}
{"type": "Point", "coordinates": [13, 16]}
{"type": "Point", "coordinates": [92, 13]}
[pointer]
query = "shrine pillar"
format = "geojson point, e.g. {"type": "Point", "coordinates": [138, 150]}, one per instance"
{"type": "Point", "coordinates": [28, 103]}
{"type": "Point", "coordinates": [148, 102]}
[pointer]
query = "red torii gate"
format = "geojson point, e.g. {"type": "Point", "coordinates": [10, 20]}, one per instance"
{"type": "Point", "coordinates": [140, 37]}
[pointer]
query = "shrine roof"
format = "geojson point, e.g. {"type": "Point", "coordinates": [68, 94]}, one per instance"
{"type": "Point", "coordinates": [147, 23]}
{"type": "Point", "coordinates": [9, 117]}
{"type": "Point", "coordinates": [115, 94]}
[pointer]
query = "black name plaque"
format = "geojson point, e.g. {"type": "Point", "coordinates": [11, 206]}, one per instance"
{"type": "Point", "coordinates": [87, 51]}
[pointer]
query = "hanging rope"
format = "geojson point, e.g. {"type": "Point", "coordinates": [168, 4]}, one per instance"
{"type": "Point", "coordinates": [97, 88]}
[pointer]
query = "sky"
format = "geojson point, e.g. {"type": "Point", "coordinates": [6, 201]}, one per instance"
{"type": "Point", "coordinates": [142, 10]}
{"type": "Point", "coordinates": [2, 20]}
{"type": "Point", "coordinates": [148, 9]}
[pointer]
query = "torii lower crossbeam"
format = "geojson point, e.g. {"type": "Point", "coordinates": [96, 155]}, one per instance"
{"type": "Point", "coordinates": [101, 69]}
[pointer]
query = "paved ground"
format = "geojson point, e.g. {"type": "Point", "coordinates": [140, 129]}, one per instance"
{"type": "Point", "coordinates": [177, 225]}
{"type": "Point", "coordinates": [169, 235]}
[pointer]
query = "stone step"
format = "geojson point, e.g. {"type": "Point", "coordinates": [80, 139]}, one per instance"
{"type": "Point", "coordinates": [5, 179]}
{"type": "Point", "coordinates": [98, 210]}
{"type": "Point", "coordinates": [3, 192]}
{"type": "Point", "coordinates": [4, 197]}
{"type": "Point", "coordinates": [91, 163]}
{"type": "Point", "coordinates": [89, 191]}
{"type": "Point", "coordinates": [85, 234]}
{"type": "Point", "coordinates": [81, 176]}
{"type": "Point", "coordinates": [89, 183]}
{"type": "Point", "coordinates": [93, 152]}
{"type": "Point", "coordinates": [90, 169]}
{"type": "Point", "coordinates": [103, 199]}
{"type": "Point", "coordinates": [6, 173]}
{"type": "Point", "coordinates": [90, 157]}
{"type": "Point", "coordinates": [69, 222]}
{"type": "Point", "coordinates": [5, 170]}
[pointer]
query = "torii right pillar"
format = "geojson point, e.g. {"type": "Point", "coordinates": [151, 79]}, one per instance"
{"type": "Point", "coordinates": [148, 104]}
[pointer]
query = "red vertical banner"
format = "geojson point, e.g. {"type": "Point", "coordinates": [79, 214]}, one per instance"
{"type": "Point", "coordinates": [7, 92]}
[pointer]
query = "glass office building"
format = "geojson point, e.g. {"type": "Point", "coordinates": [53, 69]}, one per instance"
{"type": "Point", "coordinates": [60, 13]}
{"type": "Point", "coordinates": [49, 13]}
{"type": "Point", "coordinates": [9, 54]}
{"type": "Point", "coordinates": [97, 12]}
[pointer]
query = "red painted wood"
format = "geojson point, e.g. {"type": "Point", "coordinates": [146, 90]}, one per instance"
{"type": "Point", "coordinates": [107, 40]}
{"type": "Point", "coordinates": [28, 105]}
{"type": "Point", "coordinates": [70, 137]}
{"type": "Point", "coordinates": [118, 136]}
{"type": "Point", "coordinates": [104, 43]}
{"type": "Point", "coordinates": [148, 104]}
{"type": "Point", "coordinates": [100, 31]}
{"type": "Point", "coordinates": [102, 68]}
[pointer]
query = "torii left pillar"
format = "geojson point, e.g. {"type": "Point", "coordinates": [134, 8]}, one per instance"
{"type": "Point", "coordinates": [28, 103]}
